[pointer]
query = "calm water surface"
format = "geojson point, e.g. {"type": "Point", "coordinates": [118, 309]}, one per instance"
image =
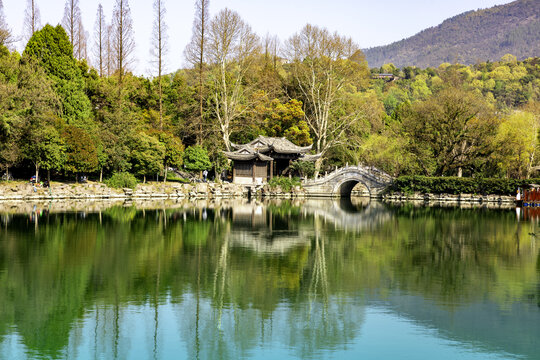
{"type": "Point", "coordinates": [309, 280]}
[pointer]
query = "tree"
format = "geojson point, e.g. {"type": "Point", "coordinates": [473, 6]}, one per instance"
{"type": "Point", "coordinates": [123, 42]}
{"type": "Point", "coordinates": [32, 19]}
{"type": "Point", "coordinates": [195, 53]}
{"type": "Point", "coordinates": [81, 50]}
{"type": "Point", "coordinates": [232, 49]}
{"type": "Point", "coordinates": [450, 131]}
{"type": "Point", "coordinates": [196, 159]}
{"type": "Point", "coordinates": [326, 68]}
{"type": "Point", "coordinates": [147, 155]}
{"type": "Point", "coordinates": [81, 153]}
{"type": "Point", "coordinates": [43, 146]}
{"type": "Point", "coordinates": [100, 41]}
{"type": "Point", "coordinates": [159, 50]}
{"type": "Point", "coordinates": [517, 144]}
{"type": "Point", "coordinates": [51, 47]}
{"type": "Point", "coordinates": [6, 36]}
{"type": "Point", "coordinates": [71, 20]}
{"type": "Point", "coordinates": [173, 151]}
{"type": "Point", "coordinates": [287, 120]}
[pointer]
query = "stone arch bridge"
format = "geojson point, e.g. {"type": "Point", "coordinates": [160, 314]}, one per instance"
{"type": "Point", "coordinates": [341, 182]}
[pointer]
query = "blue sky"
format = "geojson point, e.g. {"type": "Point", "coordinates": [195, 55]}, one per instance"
{"type": "Point", "coordinates": [369, 23]}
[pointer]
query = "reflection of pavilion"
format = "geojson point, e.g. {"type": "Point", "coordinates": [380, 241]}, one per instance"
{"type": "Point", "coordinates": [254, 228]}
{"type": "Point", "coordinates": [257, 227]}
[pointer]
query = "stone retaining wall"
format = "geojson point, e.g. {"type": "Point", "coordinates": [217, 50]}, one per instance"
{"type": "Point", "coordinates": [461, 198]}
{"type": "Point", "coordinates": [60, 191]}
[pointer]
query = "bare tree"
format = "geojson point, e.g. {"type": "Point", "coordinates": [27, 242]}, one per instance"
{"type": "Point", "coordinates": [71, 19]}
{"type": "Point", "coordinates": [232, 47]}
{"type": "Point", "coordinates": [159, 50]}
{"type": "Point", "coordinates": [271, 49]}
{"type": "Point", "coordinates": [109, 55]}
{"type": "Point", "coordinates": [32, 19]}
{"type": "Point", "coordinates": [100, 41]}
{"type": "Point", "coordinates": [6, 37]}
{"type": "Point", "coordinates": [324, 66]}
{"type": "Point", "coordinates": [123, 42]}
{"type": "Point", "coordinates": [195, 53]}
{"type": "Point", "coordinates": [80, 49]}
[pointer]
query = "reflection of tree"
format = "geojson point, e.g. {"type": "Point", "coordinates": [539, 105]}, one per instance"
{"type": "Point", "coordinates": [229, 299]}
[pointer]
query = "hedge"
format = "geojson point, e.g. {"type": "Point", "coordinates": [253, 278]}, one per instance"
{"type": "Point", "coordinates": [456, 185]}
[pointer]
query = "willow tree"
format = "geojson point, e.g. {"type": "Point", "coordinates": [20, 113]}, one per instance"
{"type": "Point", "coordinates": [232, 47]}
{"type": "Point", "coordinates": [326, 69]}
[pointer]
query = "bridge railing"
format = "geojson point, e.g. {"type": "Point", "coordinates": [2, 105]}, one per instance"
{"type": "Point", "coordinates": [369, 171]}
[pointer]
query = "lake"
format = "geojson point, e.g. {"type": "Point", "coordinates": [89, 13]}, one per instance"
{"type": "Point", "coordinates": [268, 280]}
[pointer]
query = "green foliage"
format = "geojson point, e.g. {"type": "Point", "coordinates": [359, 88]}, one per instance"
{"type": "Point", "coordinates": [196, 159]}
{"type": "Point", "coordinates": [147, 155]}
{"type": "Point", "coordinates": [51, 47]}
{"type": "Point", "coordinates": [456, 185]}
{"type": "Point", "coordinates": [304, 168]}
{"type": "Point", "coordinates": [286, 120]}
{"type": "Point", "coordinates": [285, 183]}
{"type": "Point", "coordinates": [122, 180]}
{"type": "Point", "coordinates": [81, 153]}
{"type": "Point", "coordinates": [174, 149]}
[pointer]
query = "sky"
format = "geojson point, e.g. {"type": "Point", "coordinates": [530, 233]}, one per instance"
{"type": "Point", "coordinates": [370, 23]}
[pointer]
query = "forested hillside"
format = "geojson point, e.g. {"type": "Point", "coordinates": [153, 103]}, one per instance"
{"type": "Point", "coordinates": [471, 37]}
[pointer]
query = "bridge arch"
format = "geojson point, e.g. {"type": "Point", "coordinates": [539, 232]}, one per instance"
{"type": "Point", "coordinates": [345, 187]}
{"type": "Point", "coordinates": [341, 182]}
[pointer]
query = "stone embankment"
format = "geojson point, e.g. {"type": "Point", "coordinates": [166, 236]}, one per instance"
{"type": "Point", "coordinates": [448, 198]}
{"type": "Point", "coordinates": [97, 191]}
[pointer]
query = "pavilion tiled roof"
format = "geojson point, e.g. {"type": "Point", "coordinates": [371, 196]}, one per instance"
{"type": "Point", "coordinates": [279, 145]}
{"type": "Point", "coordinates": [265, 144]}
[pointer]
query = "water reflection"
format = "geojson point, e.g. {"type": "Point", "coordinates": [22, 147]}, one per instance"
{"type": "Point", "coordinates": [244, 279]}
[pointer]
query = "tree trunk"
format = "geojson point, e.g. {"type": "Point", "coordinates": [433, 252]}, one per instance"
{"type": "Point", "coordinates": [144, 179]}
{"type": "Point", "coordinates": [101, 175]}
{"type": "Point", "coordinates": [49, 176]}
{"type": "Point", "coordinates": [165, 177]}
{"type": "Point", "coordinates": [37, 172]}
{"type": "Point", "coordinates": [318, 164]}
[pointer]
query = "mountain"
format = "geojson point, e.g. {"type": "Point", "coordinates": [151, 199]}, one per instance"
{"type": "Point", "coordinates": [474, 36]}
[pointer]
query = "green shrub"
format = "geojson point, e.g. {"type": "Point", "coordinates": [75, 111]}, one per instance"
{"type": "Point", "coordinates": [304, 168]}
{"type": "Point", "coordinates": [286, 184]}
{"type": "Point", "coordinates": [122, 180]}
{"type": "Point", "coordinates": [196, 159]}
{"type": "Point", "coordinates": [455, 185]}
{"type": "Point", "coordinates": [172, 177]}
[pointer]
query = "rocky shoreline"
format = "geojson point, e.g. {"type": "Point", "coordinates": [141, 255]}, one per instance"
{"type": "Point", "coordinates": [14, 191]}
{"type": "Point", "coordinates": [100, 191]}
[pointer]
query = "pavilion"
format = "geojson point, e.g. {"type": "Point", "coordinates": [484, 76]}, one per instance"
{"type": "Point", "coordinates": [265, 157]}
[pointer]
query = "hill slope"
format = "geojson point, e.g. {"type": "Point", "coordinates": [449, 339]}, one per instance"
{"type": "Point", "coordinates": [467, 38]}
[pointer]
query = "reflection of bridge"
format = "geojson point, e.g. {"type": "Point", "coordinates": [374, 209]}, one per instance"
{"type": "Point", "coordinates": [344, 215]}
{"type": "Point", "coordinates": [340, 182]}
{"type": "Point", "coordinates": [252, 223]}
